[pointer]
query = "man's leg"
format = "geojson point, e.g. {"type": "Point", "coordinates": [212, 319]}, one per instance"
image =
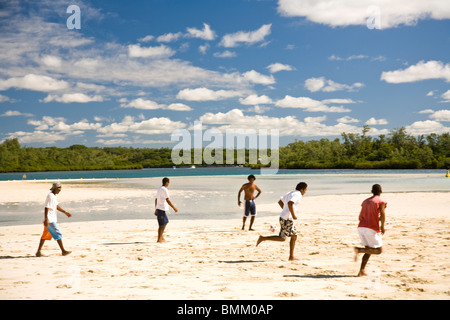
{"type": "Point", "coordinates": [243, 222]}
{"type": "Point", "coordinates": [61, 246]}
{"type": "Point", "coordinates": [367, 253]}
{"type": "Point", "coordinates": [41, 244]}
{"type": "Point", "coordinates": [292, 247]}
{"type": "Point", "coordinates": [252, 219]}
{"type": "Point", "coordinates": [160, 234]}
{"type": "Point", "coordinates": [269, 238]}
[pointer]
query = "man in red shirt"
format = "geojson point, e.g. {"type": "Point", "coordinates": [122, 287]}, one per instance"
{"type": "Point", "coordinates": [369, 228]}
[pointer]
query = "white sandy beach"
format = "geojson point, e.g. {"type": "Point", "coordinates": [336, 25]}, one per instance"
{"type": "Point", "coordinates": [214, 259]}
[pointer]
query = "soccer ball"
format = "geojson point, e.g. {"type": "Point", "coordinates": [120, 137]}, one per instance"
{"type": "Point", "coordinates": [273, 227]}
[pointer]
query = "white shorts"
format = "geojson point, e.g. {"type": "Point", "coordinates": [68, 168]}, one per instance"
{"type": "Point", "coordinates": [369, 238]}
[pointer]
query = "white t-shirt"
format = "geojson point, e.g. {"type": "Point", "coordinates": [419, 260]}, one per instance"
{"type": "Point", "coordinates": [51, 202]}
{"type": "Point", "coordinates": [294, 196]}
{"type": "Point", "coordinates": [161, 195]}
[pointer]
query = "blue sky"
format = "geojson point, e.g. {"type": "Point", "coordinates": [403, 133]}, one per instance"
{"type": "Point", "coordinates": [138, 70]}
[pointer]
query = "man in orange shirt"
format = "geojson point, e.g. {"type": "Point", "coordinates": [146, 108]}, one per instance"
{"type": "Point", "coordinates": [369, 228]}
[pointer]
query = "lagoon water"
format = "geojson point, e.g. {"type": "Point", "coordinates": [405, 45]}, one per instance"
{"type": "Point", "coordinates": [204, 193]}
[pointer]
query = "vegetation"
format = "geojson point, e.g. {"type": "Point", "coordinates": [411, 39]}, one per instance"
{"type": "Point", "coordinates": [353, 151]}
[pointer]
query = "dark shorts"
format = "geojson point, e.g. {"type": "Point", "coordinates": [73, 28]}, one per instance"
{"type": "Point", "coordinates": [250, 208]}
{"type": "Point", "coordinates": [161, 216]}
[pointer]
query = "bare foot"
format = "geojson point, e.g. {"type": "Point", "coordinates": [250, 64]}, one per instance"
{"type": "Point", "coordinates": [293, 259]}
{"type": "Point", "coordinates": [251, 229]}
{"type": "Point", "coordinates": [39, 254]}
{"type": "Point", "coordinates": [362, 273]}
{"type": "Point", "coordinates": [66, 253]}
{"type": "Point", "coordinates": [260, 239]}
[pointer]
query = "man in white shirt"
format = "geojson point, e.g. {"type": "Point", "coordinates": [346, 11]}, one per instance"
{"type": "Point", "coordinates": [51, 229]}
{"type": "Point", "coordinates": [162, 203]}
{"type": "Point", "coordinates": [289, 213]}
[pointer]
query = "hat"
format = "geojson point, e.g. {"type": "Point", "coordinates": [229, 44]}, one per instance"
{"type": "Point", "coordinates": [55, 186]}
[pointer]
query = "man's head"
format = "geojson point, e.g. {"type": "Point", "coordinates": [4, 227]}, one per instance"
{"type": "Point", "coordinates": [56, 188]}
{"type": "Point", "coordinates": [165, 182]}
{"type": "Point", "coordinates": [302, 186]}
{"type": "Point", "coordinates": [376, 190]}
{"type": "Point", "coordinates": [251, 178]}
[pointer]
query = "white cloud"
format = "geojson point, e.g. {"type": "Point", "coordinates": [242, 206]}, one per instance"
{"type": "Point", "coordinates": [352, 57]}
{"type": "Point", "coordinates": [241, 37]}
{"type": "Point", "coordinates": [203, 48]}
{"type": "Point", "coordinates": [143, 104]}
{"type": "Point", "coordinates": [446, 96]}
{"type": "Point", "coordinates": [441, 115]}
{"type": "Point", "coordinates": [146, 38]}
{"type": "Point", "coordinates": [5, 98]}
{"type": "Point", "coordinates": [73, 97]}
{"type": "Point", "coordinates": [426, 127]}
{"type": "Point", "coordinates": [34, 82]}
{"type": "Point", "coordinates": [12, 113]}
{"type": "Point", "coordinates": [205, 94]}
{"type": "Point", "coordinates": [373, 122]}
{"type": "Point", "coordinates": [205, 34]}
{"type": "Point", "coordinates": [308, 104]}
{"type": "Point", "coordinates": [350, 12]}
{"type": "Point", "coordinates": [136, 51]}
{"type": "Point", "coordinates": [51, 61]}
{"type": "Point", "coordinates": [169, 37]}
{"type": "Point", "coordinates": [322, 84]}
{"type": "Point", "coordinates": [258, 78]}
{"type": "Point", "coordinates": [347, 119]}
{"type": "Point", "coordinates": [225, 54]}
{"type": "Point", "coordinates": [37, 137]}
{"type": "Point", "coordinates": [276, 67]}
{"type": "Point", "coordinates": [287, 126]}
{"type": "Point", "coordinates": [421, 71]}
{"type": "Point", "coordinates": [150, 126]}
{"type": "Point", "coordinates": [178, 107]}
{"type": "Point", "coordinates": [254, 99]}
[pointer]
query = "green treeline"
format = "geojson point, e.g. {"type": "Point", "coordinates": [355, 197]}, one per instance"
{"type": "Point", "coordinates": [398, 150]}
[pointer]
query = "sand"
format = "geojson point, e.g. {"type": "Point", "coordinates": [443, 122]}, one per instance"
{"type": "Point", "coordinates": [215, 259]}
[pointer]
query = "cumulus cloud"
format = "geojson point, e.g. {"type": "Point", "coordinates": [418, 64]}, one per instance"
{"type": "Point", "coordinates": [34, 82]}
{"type": "Point", "coordinates": [277, 67]}
{"type": "Point", "coordinates": [258, 78]}
{"type": "Point", "coordinates": [144, 104]}
{"type": "Point", "coordinates": [162, 51]}
{"type": "Point", "coordinates": [254, 99]}
{"type": "Point", "coordinates": [225, 54]}
{"type": "Point", "coordinates": [322, 84]}
{"type": "Point", "coordinates": [287, 126]}
{"type": "Point", "coordinates": [241, 37]}
{"type": "Point", "coordinates": [308, 104]}
{"type": "Point", "coordinates": [206, 33]}
{"type": "Point", "coordinates": [426, 127]}
{"type": "Point", "coordinates": [73, 97]}
{"type": "Point", "coordinates": [373, 122]}
{"type": "Point", "coordinates": [440, 115]}
{"type": "Point", "coordinates": [421, 71]}
{"type": "Point", "coordinates": [205, 94]}
{"type": "Point", "coordinates": [349, 12]}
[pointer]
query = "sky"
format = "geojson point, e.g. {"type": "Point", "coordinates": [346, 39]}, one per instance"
{"type": "Point", "coordinates": [130, 73]}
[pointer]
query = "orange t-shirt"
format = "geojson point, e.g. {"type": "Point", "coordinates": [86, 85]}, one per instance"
{"type": "Point", "coordinates": [370, 213]}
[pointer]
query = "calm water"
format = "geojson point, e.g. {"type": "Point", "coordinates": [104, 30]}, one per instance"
{"type": "Point", "coordinates": [209, 193]}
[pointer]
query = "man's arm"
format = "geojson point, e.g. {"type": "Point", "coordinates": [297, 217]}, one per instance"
{"type": "Point", "coordinates": [382, 217]}
{"type": "Point", "coordinates": [170, 204]}
{"type": "Point", "coordinates": [46, 217]}
{"type": "Point", "coordinates": [291, 209]}
{"type": "Point", "coordinates": [63, 211]}
{"type": "Point", "coordinates": [156, 201]}
{"type": "Point", "coordinates": [259, 191]}
{"type": "Point", "coordinates": [281, 204]}
{"type": "Point", "coordinates": [239, 195]}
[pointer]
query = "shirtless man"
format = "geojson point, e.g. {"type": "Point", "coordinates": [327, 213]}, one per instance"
{"type": "Point", "coordinates": [250, 207]}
